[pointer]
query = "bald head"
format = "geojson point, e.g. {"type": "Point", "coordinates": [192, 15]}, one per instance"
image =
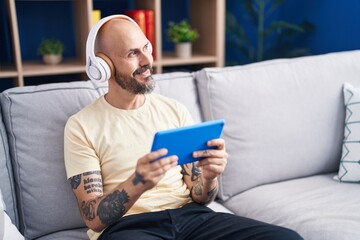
{"type": "Point", "coordinates": [118, 34]}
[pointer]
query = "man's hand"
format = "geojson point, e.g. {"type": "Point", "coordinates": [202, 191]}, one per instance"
{"type": "Point", "coordinates": [150, 169]}
{"type": "Point", "coordinates": [214, 161]}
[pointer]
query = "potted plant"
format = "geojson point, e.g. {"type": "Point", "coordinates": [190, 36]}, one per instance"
{"type": "Point", "coordinates": [51, 50]}
{"type": "Point", "coordinates": [182, 34]}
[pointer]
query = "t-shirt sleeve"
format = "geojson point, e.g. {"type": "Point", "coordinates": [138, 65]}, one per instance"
{"type": "Point", "coordinates": [79, 155]}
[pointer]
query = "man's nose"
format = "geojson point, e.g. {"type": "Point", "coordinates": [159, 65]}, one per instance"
{"type": "Point", "coordinates": [146, 58]}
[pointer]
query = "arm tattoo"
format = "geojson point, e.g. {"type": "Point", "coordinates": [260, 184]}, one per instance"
{"type": "Point", "coordinates": [93, 185]}
{"type": "Point", "coordinates": [195, 172]}
{"type": "Point", "coordinates": [183, 171]}
{"type": "Point", "coordinates": [212, 193]}
{"type": "Point", "coordinates": [198, 187]}
{"type": "Point", "coordinates": [138, 178]}
{"type": "Point", "coordinates": [88, 209]}
{"type": "Point", "coordinates": [75, 181]}
{"type": "Point", "coordinates": [111, 208]}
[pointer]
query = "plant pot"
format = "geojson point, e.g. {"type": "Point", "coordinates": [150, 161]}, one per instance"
{"type": "Point", "coordinates": [183, 50]}
{"type": "Point", "coordinates": [52, 59]}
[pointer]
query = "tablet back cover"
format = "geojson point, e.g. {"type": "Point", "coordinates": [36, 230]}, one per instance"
{"type": "Point", "coordinates": [185, 140]}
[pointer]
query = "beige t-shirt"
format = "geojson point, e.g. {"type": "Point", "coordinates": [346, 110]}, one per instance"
{"type": "Point", "coordinates": [102, 137]}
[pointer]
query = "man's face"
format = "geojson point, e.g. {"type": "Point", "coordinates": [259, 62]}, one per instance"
{"type": "Point", "coordinates": [131, 55]}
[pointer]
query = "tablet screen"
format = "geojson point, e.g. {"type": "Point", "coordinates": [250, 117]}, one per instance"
{"type": "Point", "coordinates": [184, 141]}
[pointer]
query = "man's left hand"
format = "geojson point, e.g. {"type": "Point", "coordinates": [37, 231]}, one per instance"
{"type": "Point", "coordinates": [214, 161]}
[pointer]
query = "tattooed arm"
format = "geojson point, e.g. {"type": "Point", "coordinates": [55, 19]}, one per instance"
{"type": "Point", "coordinates": [98, 210]}
{"type": "Point", "coordinates": [201, 177]}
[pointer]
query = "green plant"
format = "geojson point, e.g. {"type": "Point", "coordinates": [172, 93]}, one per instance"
{"type": "Point", "coordinates": [181, 32]}
{"type": "Point", "coordinates": [273, 38]}
{"type": "Point", "coordinates": [51, 46]}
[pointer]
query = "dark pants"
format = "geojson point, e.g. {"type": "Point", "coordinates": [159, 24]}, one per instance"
{"type": "Point", "coordinates": [193, 221]}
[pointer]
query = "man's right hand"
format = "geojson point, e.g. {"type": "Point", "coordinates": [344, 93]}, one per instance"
{"type": "Point", "coordinates": [149, 172]}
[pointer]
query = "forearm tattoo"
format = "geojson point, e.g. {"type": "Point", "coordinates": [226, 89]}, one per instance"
{"type": "Point", "coordinates": [198, 187]}
{"type": "Point", "coordinates": [112, 207]}
{"type": "Point", "coordinates": [138, 178]}
{"type": "Point", "coordinates": [212, 194]}
{"type": "Point", "coordinates": [88, 209]}
{"type": "Point", "coordinates": [196, 190]}
{"type": "Point", "coordinates": [183, 171]}
{"type": "Point", "coordinates": [195, 172]}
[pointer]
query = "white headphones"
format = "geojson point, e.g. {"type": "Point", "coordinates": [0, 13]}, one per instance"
{"type": "Point", "coordinates": [97, 68]}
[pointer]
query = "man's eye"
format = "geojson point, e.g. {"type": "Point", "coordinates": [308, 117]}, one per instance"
{"type": "Point", "coordinates": [148, 48]}
{"type": "Point", "coordinates": [132, 54]}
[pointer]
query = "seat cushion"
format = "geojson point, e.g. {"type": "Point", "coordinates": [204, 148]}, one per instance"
{"type": "Point", "coordinates": [317, 207]}
{"type": "Point", "coordinates": [74, 234]}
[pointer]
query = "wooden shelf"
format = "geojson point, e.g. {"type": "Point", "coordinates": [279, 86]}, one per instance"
{"type": "Point", "coordinates": [208, 49]}
{"type": "Point", "coordinates": [38, 68]}
{"type": "Point", "coordinates": [8, 72]}
{"type": "Point", "coordinates": [169, 59]}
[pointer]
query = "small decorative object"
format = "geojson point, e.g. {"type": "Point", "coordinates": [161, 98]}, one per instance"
{"type": "Point", "coordinates": [51, 50]}
{"type": "Point", "coordinates": [182, 34]}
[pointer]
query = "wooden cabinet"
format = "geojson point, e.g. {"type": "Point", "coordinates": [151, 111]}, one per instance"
{"type": "Point", "coordinates": [207, 16]}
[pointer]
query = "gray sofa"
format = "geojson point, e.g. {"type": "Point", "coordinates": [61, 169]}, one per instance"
{"type": "Point", "coordinates": [284, 132]}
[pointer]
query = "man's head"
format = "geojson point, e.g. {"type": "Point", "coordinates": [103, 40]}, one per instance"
{"type": "Point", "coordinates": [120, 50]}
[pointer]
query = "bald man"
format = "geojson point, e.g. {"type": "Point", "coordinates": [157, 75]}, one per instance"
{"type": "Point", "coordinates": [121, 193]}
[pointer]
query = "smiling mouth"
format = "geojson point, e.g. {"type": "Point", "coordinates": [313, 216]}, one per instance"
{"type": "Point", "coordinates": [144, 70]}
{"type": "Point", "coordinates": [146, 73]}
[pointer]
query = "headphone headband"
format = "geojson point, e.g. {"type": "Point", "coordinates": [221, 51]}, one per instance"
{"type": "Point", "coordinates": [96, 68]}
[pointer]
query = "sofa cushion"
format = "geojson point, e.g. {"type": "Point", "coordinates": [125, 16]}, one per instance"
{"type": "Point", "coordinates": [317, 207]}
{"type": "Point", "coordinates": [180, 86]}
{"type": "Point", "coordinates": [349, 169]}
{"type": "Point", "coordinates": [35, 117]}
{"type": "Point", "coordinates": [284, 118]}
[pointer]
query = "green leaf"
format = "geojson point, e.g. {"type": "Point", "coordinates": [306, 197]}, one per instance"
{"type": "Point", "coordinates": [181, 32]}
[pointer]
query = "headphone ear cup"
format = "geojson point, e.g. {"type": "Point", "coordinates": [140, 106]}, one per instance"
{"type": "Point", "coordinates": [105, 70]}
{"type": "Point", "coordinates": [99, 70]}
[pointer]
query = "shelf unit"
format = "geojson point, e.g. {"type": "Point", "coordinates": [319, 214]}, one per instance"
{"type": "Point", "coordinates": [208, 50]}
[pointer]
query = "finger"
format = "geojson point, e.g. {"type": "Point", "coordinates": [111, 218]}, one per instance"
{"type": "Point", "coordinates": [219, 143]}
{"type": "Point", "coordinates": [160, 167]}
{"type": "Point", "coordinates": [169, 161]}
{"type": "Point", "coordinates": [153, 156]}
{"type": "Point", "coordinates": [213, 168]}
{"type": "Point", "coordinates": [214, 153]}
{"type": "Point", "coordinates": [212, 161]}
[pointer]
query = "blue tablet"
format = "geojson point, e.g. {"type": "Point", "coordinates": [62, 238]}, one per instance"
{"type": "Point", "coordinates": [184, 141]}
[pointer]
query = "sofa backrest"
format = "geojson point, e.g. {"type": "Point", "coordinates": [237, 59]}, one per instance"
{"type": "Point", "coordinates": [284, 118]}
{"type": "Point", "coordinates": [182, 87]}
{"type": "Point", "coordinates": [34, 118]}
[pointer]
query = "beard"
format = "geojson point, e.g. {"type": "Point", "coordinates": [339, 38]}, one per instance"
{"type": "Point", "coordinates": [132, 85]}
